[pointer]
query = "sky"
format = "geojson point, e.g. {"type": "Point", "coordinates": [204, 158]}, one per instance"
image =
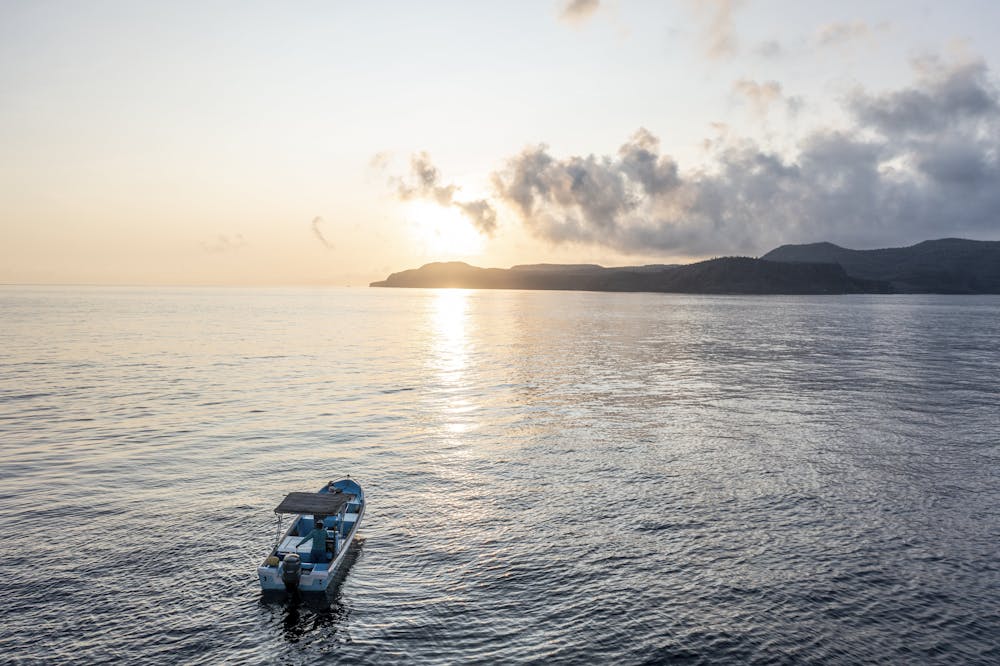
{"type": "Point", "coordinates": [331, 143]}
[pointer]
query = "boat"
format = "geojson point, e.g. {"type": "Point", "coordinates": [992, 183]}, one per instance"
{"type": "Point", "coordinates": [290, 566]}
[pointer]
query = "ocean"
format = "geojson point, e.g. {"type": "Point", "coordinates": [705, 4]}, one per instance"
{"type": "Point", "coordinates": [552, 477]}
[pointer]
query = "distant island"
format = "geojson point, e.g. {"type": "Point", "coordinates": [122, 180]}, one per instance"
{"type": "Point", "coordinates": [946, 266]}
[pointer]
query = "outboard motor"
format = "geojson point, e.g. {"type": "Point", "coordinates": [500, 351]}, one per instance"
{"type": "Point", "coordinates": [291, 571]}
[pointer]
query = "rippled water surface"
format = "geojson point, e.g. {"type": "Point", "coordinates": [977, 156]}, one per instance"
{"type": "Point", "coordinates": [552, 477]}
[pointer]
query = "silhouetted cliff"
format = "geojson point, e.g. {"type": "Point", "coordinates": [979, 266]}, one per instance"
{"type": "Point", "coordinates": [946, 266]}
{"type": "Point", "coordinates": [730, 275]}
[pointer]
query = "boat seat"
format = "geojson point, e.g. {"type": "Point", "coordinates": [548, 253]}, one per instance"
{"type": "Point", "coordinates": [307, 559]}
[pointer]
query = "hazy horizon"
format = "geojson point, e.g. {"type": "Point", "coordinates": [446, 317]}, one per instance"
{"type": "Point", "coordinates": [329, 144]}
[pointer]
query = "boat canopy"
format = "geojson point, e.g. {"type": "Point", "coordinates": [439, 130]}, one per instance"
{"type": "Point", "coordinates": [321, 504]}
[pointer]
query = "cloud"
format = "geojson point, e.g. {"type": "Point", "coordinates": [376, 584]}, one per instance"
{"type": "Point", "coordinates": [718, 31]}
{"type": "Point", "coordinates": [947, 97]}
{"type": "Point", "coordinates": [424, 182]}
{"type": "Point", "coordinates": [578, 11]}
{"type": "Point", "coordinates": [481, 213]}
{"type": "Point", "coordinates": [380, 161]}
{"type": "Point", "coordinates": [640, 162]}
{"type": "Point", "coordinates": [318, 233]}
{"type": "Point", "coordinates": [841, 32]}
{"type": "Point", "coordinates": [223, 243]}
{"type": "Point", "coordinates": [763, 96]}
{"type": "Point", "coordinates": [760, 96]}
{"type": "Point", "coordinates": [919, 162]}
{"type": "Point", "coordinates": [770, 49]}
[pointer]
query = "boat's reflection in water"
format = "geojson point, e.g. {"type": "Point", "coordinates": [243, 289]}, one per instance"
{"type": "Point", "coordinates": [307, 613]}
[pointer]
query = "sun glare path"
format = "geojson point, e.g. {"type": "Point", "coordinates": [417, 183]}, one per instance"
{"type": "Point", "coordinates": [449, 314]}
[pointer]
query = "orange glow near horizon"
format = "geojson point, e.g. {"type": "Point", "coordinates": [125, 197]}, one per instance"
{"type": "Point", "coordinates": [442, 232]}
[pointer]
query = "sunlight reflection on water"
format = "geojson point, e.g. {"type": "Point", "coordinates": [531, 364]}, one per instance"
{"type": "Point", "coordinates": [552, 476]}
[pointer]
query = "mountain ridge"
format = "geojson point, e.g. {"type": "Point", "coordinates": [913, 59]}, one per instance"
{"type": "Point", "coordinates": [726, 275]}
{"type": "Point", "coordinates": [947, 266]}
{"type": "Point", "coordinates": [944, 265]}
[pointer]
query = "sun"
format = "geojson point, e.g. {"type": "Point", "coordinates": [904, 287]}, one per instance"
{"type": "Point", "coordinates": [441, 232]}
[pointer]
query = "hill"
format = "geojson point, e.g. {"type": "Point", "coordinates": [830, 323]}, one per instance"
{"type": "Point", "coordinates": [728, 275]}
{"type": "Point", "coordinates": [945, 266]}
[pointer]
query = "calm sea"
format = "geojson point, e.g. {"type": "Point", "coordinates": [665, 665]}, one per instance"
{"type": "Point", "coordinates": [552, 477]}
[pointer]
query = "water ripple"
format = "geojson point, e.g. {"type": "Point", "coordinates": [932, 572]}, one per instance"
{"type": "Point", "coordinates": [553, 477]}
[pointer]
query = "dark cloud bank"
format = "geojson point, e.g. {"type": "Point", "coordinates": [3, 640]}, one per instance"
{"type": "Point", "coordinates": [915, 163]}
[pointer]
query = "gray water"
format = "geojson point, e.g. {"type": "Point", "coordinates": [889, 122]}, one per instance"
{"type": "Point", "coordinates": [552, 477]}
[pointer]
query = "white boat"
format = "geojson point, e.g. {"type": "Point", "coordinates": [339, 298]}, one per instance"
{"type": "Point", "coordinates": [292, 566]}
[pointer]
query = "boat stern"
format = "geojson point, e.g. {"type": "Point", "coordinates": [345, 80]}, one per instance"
{"type": "Point", "coordinates": [270, 578]}
{"type": "Point", "coordinates": [309, 580]}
